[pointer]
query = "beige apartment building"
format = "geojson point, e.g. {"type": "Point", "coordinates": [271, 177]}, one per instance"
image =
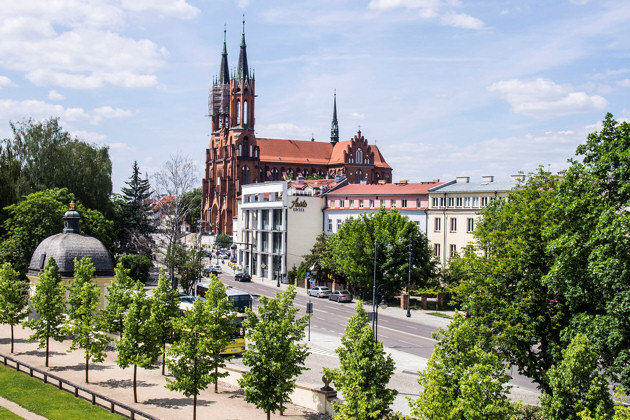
{"type": "Point", "coordinates": [454, 212]}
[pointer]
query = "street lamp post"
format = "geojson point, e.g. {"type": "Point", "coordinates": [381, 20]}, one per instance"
{"type": "Point", "coordinates": [409, 285]}
{"type": "Point", "coordinates": [383, 304]}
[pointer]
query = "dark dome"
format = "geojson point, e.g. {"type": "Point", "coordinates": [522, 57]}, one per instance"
{"type": "Point", "coordinates": [65, 247]}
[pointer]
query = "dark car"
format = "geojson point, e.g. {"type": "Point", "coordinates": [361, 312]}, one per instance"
{"type": "Point", "coordinates": [212, 270]}
{"type": "Point", "coordinates": [340, 296]}
{"type": "Point", "coordinates": [242, 277]}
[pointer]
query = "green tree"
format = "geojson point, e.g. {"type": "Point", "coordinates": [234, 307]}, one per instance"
{"type": "Point", "coordinates": [13, 298]}
{"type": "Point", "coordinates": [192, 200]}
{"type": "Point", "coordinates": [119, 297]}
{"type": "Point", "coordinates": [48, 302]}
{"type": "Point", "coordinates": [320, 259]}
{"type": "Point", "coordinates": [621, 412]}
{"type": "Point", "coordinates": [191, 268]}
{"type": "Point", "coordinates": [164, 313]}
{"type": "Point", "coordinates": [274, 356]}
{"type": "Point", "coordinates": [39, 216]}
{"type": "Point", "coordinates": [139, 267]}
{"type": "Point", "coordinates": [393, 235]}
{"type": "Point", "coordinates": [219, 327]}
{"type": "Point", "coordinates": [188, 359]}
{"type": "Point", "coordinates": [49, 157]}
{"type": "Point", "coordinates": [84, 323]}
{"type": "Point", "coordinates": [364, 373]}
{"type": "Point", "coordinates": [462, 380]}
{"type": "Point", "coordinates": [577, 388]}
{"type": "Point", "coordinates": [223, 240]}
{"type": "Point", "coordinates": [136, 223]}
{"type": "Point", "coordinates": [138, 345]}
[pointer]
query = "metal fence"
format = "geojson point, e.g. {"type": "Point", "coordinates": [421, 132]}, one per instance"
{"type": "Point", "coordinates": [77, 390]}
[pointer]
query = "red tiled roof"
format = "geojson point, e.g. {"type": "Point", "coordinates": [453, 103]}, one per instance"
{"type": "Point", "coordinates": [315, 183]}
{"type": "Point", "coordinates": [386, 189]}
{"type": "Point", "coordinates": [306, 152]}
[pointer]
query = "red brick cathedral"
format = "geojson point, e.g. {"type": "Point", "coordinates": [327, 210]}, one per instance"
{"type": "Point", "coordinates": [237, 157]}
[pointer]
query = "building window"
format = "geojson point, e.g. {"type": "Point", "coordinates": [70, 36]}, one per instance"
{"type": "Point", "coordinates": [442, 201]}
{"type": "Point", "coordinates": [338, 224]}
{"type": "Point", "coordinates": [484, 201]}
{"type": "Point", "coordinates": [470, 224]}
{"type": "Point", "coordinates": [467, 202]}
{"type": "Point", "coordinates": [453, 249]}
{"type": "Point", "coordinates": [351, 204]}
{"type": "Point", "coordinates": [371, 204]}
{"type": "Point", "coordinates": [392, 204]}
{"type": "Point", "coordinates": [329, 224]}
{"type": "Point", "coordinates": [453, 224]}
{"type": "Point", "coordinates": [404, 204]}
{"type": "Point", "coordinates": [342, 203]}
{"type": "Point", "coordinates": [359, 156]}
{"type": "Point", "coordinates": [418, 203]}
{"type": "Point", "coordinates": [458, 201]}
{"type": "Point", "coordinates": [437, 224]}
{"type": "Point", "coordinates": [436, 250]}
{"type": "Point", "coordinates": [382, 204]}
{"type": "Point", "coordinates": [435, 202]}
{"type": "Point", "coordinates": [451, 201]}
{"type": "Point", "coordinates": [475, 202]}
{"type": "Point", "coordinates": [360, 204]}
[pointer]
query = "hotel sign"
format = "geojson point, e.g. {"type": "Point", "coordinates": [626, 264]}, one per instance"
{"type": "Point", "coordinates": [298, 205]}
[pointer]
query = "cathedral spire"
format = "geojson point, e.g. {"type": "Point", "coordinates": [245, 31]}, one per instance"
{"type": "Point", "coordinates": [334, 126]}
{"type": "Point", "coordinates": [242, 72]}
{"type": "Point", "coordinates": [224, 73]}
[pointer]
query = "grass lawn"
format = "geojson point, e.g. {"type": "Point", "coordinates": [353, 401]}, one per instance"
{"type": "Point", "coordinates": [45, 399]}
{"type": "Point", "coordinates": [440, 315]}
{"type": "Point", "coordinates": [8, 415]}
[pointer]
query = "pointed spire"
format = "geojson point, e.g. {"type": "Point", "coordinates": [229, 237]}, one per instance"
{"type": "Point", "coordinates": [224, 73]}
{"type": "Point", "coordinates": [334, 126]}
{"type": "Point", "coordinates": [242, 72]}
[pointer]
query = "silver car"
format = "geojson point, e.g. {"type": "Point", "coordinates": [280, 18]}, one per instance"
{"type": "Point", "coordinates": [319, 291]}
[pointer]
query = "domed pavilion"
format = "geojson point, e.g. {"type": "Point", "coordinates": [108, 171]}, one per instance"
{"type": "Point", "coordinates": [65, 247]}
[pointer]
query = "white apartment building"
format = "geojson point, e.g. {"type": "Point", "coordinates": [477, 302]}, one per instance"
{"type": "Point", "coordinates": [276, 227]}
{"type": "Point", "coordinates": [454, 211]}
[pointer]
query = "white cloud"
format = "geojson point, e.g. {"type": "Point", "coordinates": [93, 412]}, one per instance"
{"type": "Point", "coordinates": [624, 83]}
{"type": "Point", "coordinates": [357, 115]}
{"type": "Point", "coordinates": [77, 44]}
{"type": "Point", "coordinates": [579, 1]}
{"type": "Point", "coordinates": [53, 95]}
{"type": "Point", "coordinates": [461, 20]}
{"type": "Point", "coordinates": [88, 136]}
{"type": "Point", "coordinates": [5, 81]}
{"type": "Point", "coordinates": [545, 98]}
{"type": "Point", "coordinates": [611, 72]}
{"type": "Point", "coordinates": [17, 110]}
{"type": "Point", "coordinates": [242, 3]}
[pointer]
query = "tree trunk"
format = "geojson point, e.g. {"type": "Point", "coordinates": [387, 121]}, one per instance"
{"type": "Point", "coordinates": [195, 407]}
{"type": "Point", "coordinates": [216, 379]}
{"type": "Point", "coordinates": [47, 347]}
{"type": "Point", "coordinates": [11, 338]}
{"type": "Point", "coordinates": [163, 358]}
{"type": "Point", "coordinates": [87, 360]}
{"type": "Point", "coordinates": [268, 415]}
{"type": "Point", "coordinates": [135, 389]}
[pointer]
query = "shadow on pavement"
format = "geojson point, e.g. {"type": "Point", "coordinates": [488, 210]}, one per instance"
{"type": "Point", "coordinates": [123, 383]}
{"type": "Point", "coordinates": [177, 402]}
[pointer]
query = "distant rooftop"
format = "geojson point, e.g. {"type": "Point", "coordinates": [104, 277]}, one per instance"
{"type": "Point", "coordinates": [401, 188]}
{"type": "Point", "coordinates": [485, 184]}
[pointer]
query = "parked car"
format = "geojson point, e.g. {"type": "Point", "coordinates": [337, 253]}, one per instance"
{"type": "Point", "coordinates": [213, 269]}
{"type": "Point", "coordinates": [319, 291]}
{"type": "Point", "coordinates": [341, 296]}
{"type": "Point", "coordinates": [242, 277]}
{"type": "Point", "coordinates": [186, 301]}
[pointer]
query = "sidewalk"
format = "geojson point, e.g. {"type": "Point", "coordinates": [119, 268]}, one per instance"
{"type": "Point", "coordinates": [107, 378]}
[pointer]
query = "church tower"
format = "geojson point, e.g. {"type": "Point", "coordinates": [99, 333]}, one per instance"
{"type": "Point", "coordinates": [232, 159]}
{"type": "Point", "coordinates": [334, 126]}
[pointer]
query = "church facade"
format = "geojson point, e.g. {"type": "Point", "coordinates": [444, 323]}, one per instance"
{"type": "Point", "coordinates": [236, 157]}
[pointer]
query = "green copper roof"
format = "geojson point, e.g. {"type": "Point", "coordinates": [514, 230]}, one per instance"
{"type": "Point", "coordinates": [334, 126]}
{"type": "Point", "coordinates": [242, 71]}
{"type": "Point", "coordinates": [224, 73]}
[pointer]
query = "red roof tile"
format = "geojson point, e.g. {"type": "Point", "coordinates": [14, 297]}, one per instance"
{"type": "Point", "coordinates": [415, 188]}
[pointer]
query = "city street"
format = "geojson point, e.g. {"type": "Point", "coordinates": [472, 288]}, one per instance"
{"type": "Point", "coordinates": [408, 340]}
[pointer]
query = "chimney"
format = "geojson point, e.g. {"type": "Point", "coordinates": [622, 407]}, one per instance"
{"type": "Point", "coordinates": [300, 179]}
{"type": "Point", "coordinates": [487, 178]}
{"type": "Point", "coordinates": [463, 179]}
{"type": "Point", "coordinates": [403, 182]}
{"type": "Point", "coordinates": [338, 178]}
{"type": "Point", "coordinates": [519, 177]}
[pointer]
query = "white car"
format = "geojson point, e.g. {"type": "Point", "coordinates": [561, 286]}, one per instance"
{"type": "Point", "coordinates": [319, 291]}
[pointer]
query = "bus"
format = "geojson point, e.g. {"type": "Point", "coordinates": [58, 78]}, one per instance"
{"type": "Point", "coordinates": [240, 300]}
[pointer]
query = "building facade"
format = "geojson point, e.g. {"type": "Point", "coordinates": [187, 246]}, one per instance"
{"type": "Point", "coordinates": [237, 157]}
{"type": "Point", "coordinates": [454, 212]}
{"type": "Point", "coordinates": [410, 199]}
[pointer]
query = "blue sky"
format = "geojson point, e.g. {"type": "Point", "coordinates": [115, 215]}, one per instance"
{"type": "Point", "coordinates": [443, 87]}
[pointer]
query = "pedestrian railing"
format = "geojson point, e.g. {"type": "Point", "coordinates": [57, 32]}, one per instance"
{"type": "Point", "coordinates": [77, 390]}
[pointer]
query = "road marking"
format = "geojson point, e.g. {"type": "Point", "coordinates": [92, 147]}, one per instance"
{"type": "Point", "coordinates": [404, 332]}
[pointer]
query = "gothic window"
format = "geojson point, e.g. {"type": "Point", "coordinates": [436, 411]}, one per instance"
{"type": "Point", "coordinates": [240, 150]}
{"type": "Point", "coordinates": [358, 177]}
{"type": "Point", "coordinates": [238, 112]}
{"type": "Point", "coordinates": [246, 147]}
{"type": "Point", "coordinates": [359, 156]}
{"type": "Point", "coordinates": [244, 112]}
{"type": "Point", "coordinates": [244, 175]}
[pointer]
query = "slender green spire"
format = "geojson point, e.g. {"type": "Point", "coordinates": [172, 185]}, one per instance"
{"type": "Point", "coordinates": [242, 72]}
{"type": "Point", "coordinates": [224, 73]}
{"type": "Point", "coordinates": [334, 127]}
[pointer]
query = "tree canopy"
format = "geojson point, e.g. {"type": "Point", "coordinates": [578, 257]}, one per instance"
{"type": "Point", "coordinates": [41, 155]}
{"type": "Point", "coordinates": [13, 298]}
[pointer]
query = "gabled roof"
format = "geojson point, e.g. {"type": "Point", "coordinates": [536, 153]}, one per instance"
{"type": "Point", "coordinates": [416, 188]}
